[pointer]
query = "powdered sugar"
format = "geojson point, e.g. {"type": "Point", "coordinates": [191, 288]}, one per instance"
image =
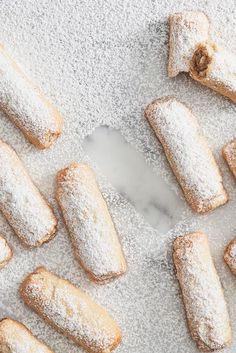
{"type": "Point", "coordinates": [27, 108]}
{"type": "Point", "coordinates": [202, 293]}
{"type": "Point", "coordinates": [70, 310]}
{"type": "Point", "coordinates": [187, 152]}
{"type": "Point", "coordinates": [102, 62]}
{"type": "Point", "coordinates": [21, 203]}
{"type": "Point", "coordinates": [215, 67]}
{"type": "Point", "coordinates": [92, 231]}
{"type": "Point", "coordinates": [223, 69]}
{"type": "Point", "coordinates": [187, 29]}
{"type": "Point", "coordinates": [15, 338]}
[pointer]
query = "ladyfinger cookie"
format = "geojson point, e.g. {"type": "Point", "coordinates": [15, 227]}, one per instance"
{"type": "Point", "coordinates": [229, 154]}
{"type": "Point", "coordinates": [17, 338]}
{"type": "Point", "coordinates": [215, 68]}
{"type": "Point", "coordinates": [230, 255]}
{"type": "Point", "coordinates": [202, 293]}
{"type": "Point", "coordinates": [21, 202]}
{"type": "Point", "coordinates": [93, 234]}
{"type": "Point", "coordinates": [26, 106]}
{"type": "Point", "coordinates": [186, 30]}
{"type": "Point", "coordinates": [188, 154]}
{"type": "Point", "coordinates": [70, 311]}
{"type": "Point", "coordinates": [5, 252]}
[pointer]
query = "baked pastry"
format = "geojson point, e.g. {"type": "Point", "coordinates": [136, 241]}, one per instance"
{"type": "Point", "coordinates": [187, 30]}
{"type": "Point", "coordinates": [21, 202]}
{"type": "Point", "coordinates": [70, 311]}
{"type": "Point", "coordinates": [229, 154]}
{"type": "Point", "coordinates": [215, 68]}
{"type": "Point", "coordinates": [188, 154]}
{"type": "Point", "coordinates": [16, 338]}
{"type": "Point", "coordinates": [26, 106]}
{"type": "Point", "coordinates": [92, 231]}
{"type": "Point", "coordinates": [203, 296]}
{"type": "Point", "coordinates": [230, 255]}
{"type": "Point", "coordinates": [5, 252]}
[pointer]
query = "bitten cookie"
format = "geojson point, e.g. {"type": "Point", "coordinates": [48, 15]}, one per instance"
{"type": "Point", "coordinates": [16, 338]}
{"type": "Point", "coordinates": [188, 153]}
{"type": "Point", "coordinates": [229, 154]}
{"type": "Point", "coordinates": [230, 255]}
{"type": "Point", "coordinates": [186, 30]}
{"type": "Point", "coordinates": [5, 252]}
{"type": "Point", "coordinates": [21, 202]}
{"type": "Point", "coordinates": [70, 311]}
{"type": "Point", "coordinates": [203, 296]}
{"type": "Point", "coordinates": [215, 68]}
{"type": "Point", "coordinates": [90, 225]}
{"type": "Point", "coordinates": [26, 106]}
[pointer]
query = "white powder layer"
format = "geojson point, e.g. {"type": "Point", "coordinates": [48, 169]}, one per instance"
{"type": "Point", "coordinates": [223, 68]}
{"type": "Point", "coordinates": [15, 338]}
{"type": "Point", "coordinates": [102, 62]}
{"type": "Point", "coordinates": [87, 218]}
{"type": "Point", "coordinates": [187, 29]}
{"type": "Point", "coordinates": [187, 151]}
{"type": "Point", "coordinates": [21, 203]}
{"type": "Point", "coordinates": [24, 104]}
{"type": "Point", "coordinates": [71, 310]}
{"type": "Point", "coordinates": [205, 305]}
{"type": "Point", "coordinates": [5, 251]}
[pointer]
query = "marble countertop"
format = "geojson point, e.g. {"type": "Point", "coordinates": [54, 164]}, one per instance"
{"type": "Point", "coordinates": [129, 173]}
{"type": "Point", "coordinates": [100, 63]}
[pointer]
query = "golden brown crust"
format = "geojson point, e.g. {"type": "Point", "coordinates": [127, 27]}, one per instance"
{"type": "Point", "coordinates": [229, 154]}
{"type": "Point", "coordinates": [197, 204]}
{"type": "Point", "coordinates": [87, 188]}
{"type": "Point", "coordinates": [65, 302]}
{"type": "Point", "coordinates": [202, 293]}
{"type": "Point", "coordinates": [14, 337]}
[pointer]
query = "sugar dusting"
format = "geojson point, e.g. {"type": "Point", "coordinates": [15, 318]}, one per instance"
{"type": "Point", "coordinates": [187, 151]}
{"type": "Point", "coordinates": [88, 220]}
{"type": "Point", "coordinates": [223, 68]}
{"type": "Point", "coordinates": [70, 310]}
{"type": "Point", "coordinates": [187, 29]}
{"type": "Point", "coordinates": [17, 339]}
{"type": "Point", "coordinates": [107, 73]}
{"type": "Point", "coordinates": [21, 202]}
{"type": "Point", "coordinates": [25, 106]}
{"type": "Point", "coordinates": [205, 305]}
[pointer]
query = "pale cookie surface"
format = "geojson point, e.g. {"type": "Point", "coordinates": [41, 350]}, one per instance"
{"type": "Point", "coordinates": [71, 311]}
{"type": "Point", "coordinates": [16, 338]}
{"type": "Point", "coordinates": [5, 252]}
{"type": "Point", "coordinates": [26, 106]}
{"type": "Point", "coordinates": [203, 296]}
{"type": "Point", "coordinates": [186, 30]}
{"type": "Point", "coordinates": [92, 231]}
{"type": "Point", "coordinates": [188, 153]}
{"type": "Point", "coordinates": [215, 67]}
{"type": "Point", "coordinates": [21, 202]}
